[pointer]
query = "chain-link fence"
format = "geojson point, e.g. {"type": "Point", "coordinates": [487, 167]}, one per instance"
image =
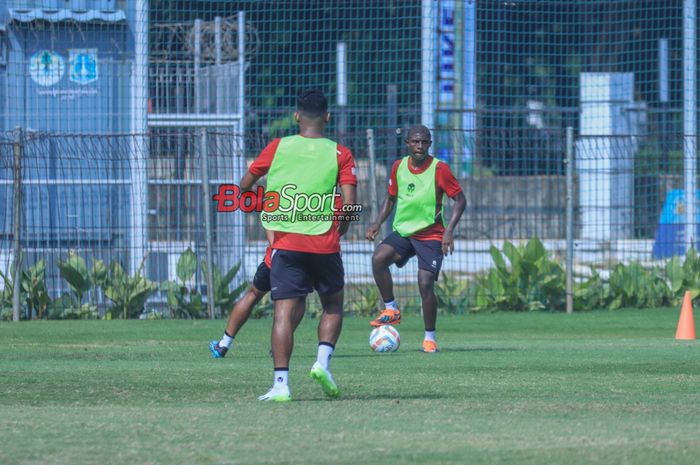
{"type": "Point", "coordinates": [77, 196]}
{"type": "Point", "coordinates": [122, 103]}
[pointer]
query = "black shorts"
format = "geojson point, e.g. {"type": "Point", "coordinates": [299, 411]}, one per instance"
{"type": "Point", "coordinates": [429, 252]}
{"type": "Point", "coordinates": [296, 274]}
{"type": "Point", "coordinates": [261, 280]}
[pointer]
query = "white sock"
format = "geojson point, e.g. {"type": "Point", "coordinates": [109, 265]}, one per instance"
{"type": "Point", "coordinates": [391, 305]}
{"type": "Point", "coordinates": [226, 341]}
{"type": "Point", "coordinates": [430, 335]}
{"type": "Point", "coordinates": [325, 351]}
{"type": "Point", "coordinates": [281, 377]}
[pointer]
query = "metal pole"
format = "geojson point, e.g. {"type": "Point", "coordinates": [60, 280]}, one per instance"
{"type": "Point", "coordinates": [391, 147]}
{"type": "Point", "coordinates": [239, 156]}
{"type": "Point", "coordinates": [341, 96]}
{"type": "Point", "coordinates": [139, 129]}
{"type": "Point", "coordinates": [663, 70]}
{"type": "Point", "coordinates": [663, 100]}
{"type": "Point", "coordinates": [218, 72]}
{"type": "Point", "coordinates": [392, 122]}
{"type": "Point", "coordinates": [206, 210]}
{"type": "Point", "coordinates": [428, 53]}
{"type": "Point", "coordinates": [469, 88]}
{"type": "Point", "coordinates": [198, 106]}
{"type": "Point", "coordinates": [16, 225]}
{"type": "Point", "coordinates": [569, 219]}
{"type": "Point", "coordinates": [217, 39]}
{"type": "Point", "coordinates": [197, 61]}
{"type": "Point", "coordinates": [372, 175]}
{"type": "Point", "coordinates": [241, 74]}
{"type": "Point", "coordinates": [456, 117]}
{"type": "Point", "coordinates": [689, 120]}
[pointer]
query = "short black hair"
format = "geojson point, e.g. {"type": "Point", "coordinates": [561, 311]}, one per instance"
{"type": "Point", "coordinates": [312, 103]}
{"type": "Point", "coordinates": [418, 129]}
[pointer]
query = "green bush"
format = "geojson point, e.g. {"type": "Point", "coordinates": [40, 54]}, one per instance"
{"type": "Point", "coordinates": [264, 309]}
{"type": "Point", "coordinates": [6, 295]}
{"type": "Point", "coordinates": [128, 293]}
{"type": "Point", "coordinates": [224, 298]}
{"type": "Point", "coordinates": [412, 305]}
{"type": "Point", "coordinates": [592, 293]}
{"type": "Point", "coordinates": [184, 302]}
{"type": "Point", "coordinates": [531, 280]}
{"type": "Point", "coordinates": [524, 278]}
{"type": "Point", "coordinates": [314, 309]}
{"type": "Point", "coordinates": [364, 300]}
{"type": "Point", "coordinates": [75, 272]}
{"type": "Point", "coordinates": [33, 293]}
{"type": "Point", "coordinates": [65, 308]}
{"type": "Point", "coordinates": [684, 276]}
{"type": "Point", "coordinates": [635, 286]}
{"type": "Point", "coordinates": [451, 293]}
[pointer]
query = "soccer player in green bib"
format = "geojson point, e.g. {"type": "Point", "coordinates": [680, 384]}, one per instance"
{"type": "Point", "coordinates": [417, 185]}
{"type": "Point", "coordinates": [304, 169]}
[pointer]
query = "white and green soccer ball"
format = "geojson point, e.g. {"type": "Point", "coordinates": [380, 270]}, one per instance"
{"type": "Point", "coordinates": [384, 338]}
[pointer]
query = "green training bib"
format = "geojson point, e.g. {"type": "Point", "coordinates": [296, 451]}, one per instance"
{"type": "Point", "coordinates": [303, 172]}
{"type": "Point", "coordinates": [416, 199]}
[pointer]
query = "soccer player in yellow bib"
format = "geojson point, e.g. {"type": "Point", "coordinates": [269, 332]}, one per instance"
{"type": "Point", "coordinates": [417, 185]}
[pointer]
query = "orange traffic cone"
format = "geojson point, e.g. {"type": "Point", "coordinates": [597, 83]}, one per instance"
{"type": "Point", "coordinates": [686, 325]}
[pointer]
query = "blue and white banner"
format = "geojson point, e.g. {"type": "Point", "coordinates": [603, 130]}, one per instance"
{"type": "Point", "coordinates": [456, 106]}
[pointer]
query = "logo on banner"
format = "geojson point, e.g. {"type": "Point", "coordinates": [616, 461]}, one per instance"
{"type": "Point", "coordinates": [83, 65]}
{"type": "Point", "coordinates": [46, 68]}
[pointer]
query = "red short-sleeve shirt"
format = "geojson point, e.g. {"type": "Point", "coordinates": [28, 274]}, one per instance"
{"type": "Point", "coordinates": [268, 257]}
{"type": "Point", "coordinates": [445, 182]}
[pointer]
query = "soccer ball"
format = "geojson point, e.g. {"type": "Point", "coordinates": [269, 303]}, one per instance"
{"type": "Point", "coordinates": [384, 339]}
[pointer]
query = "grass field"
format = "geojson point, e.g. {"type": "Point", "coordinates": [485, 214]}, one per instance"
{"type": "Point", "coordinates": [593, 388]}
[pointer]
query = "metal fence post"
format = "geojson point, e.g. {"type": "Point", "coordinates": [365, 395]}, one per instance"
{"type": "Point", "coordinates": [690, 155]}
{"type": "Point", "coordinates": [569, 219]}
{"type": "Point", "coordinates": [138, 170]}
{"type": "Point", "coordinates": [341, 98]}
{"type": "Point", "coordinates": [392, 110]}
{"type": "Point", "coordinates": [17, 149]}
{"type": "Point", "coordinates": [206, 210]}
{"type": "Point", "coordinates": [372, 175]}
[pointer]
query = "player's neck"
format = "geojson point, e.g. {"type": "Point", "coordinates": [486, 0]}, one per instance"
{"type": "Point", "coordinates": [314, 132]}
{"type": "Point", "coordinates": [421, 163]}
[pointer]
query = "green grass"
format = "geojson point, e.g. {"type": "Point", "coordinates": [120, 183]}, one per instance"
{"type": "Point", "coordinates": [592, 388]}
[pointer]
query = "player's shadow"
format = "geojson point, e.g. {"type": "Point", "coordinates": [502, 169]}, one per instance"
{"type": "Point", "coordinates": [479, 349]}
{"type": "Point", "coordinates": [372, 355]}
{"type": "Point", "coordinates": [407, 352]}
{"type": "Point", "coordinates": [394, 397]}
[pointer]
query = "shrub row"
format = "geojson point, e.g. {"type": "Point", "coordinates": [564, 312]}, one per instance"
{"type": "Point", "coordinates": [524, 278]}
{"type": "Point", "coordinates": [127, 294]}
{"type": "Point", "coordinates": [527, 278]}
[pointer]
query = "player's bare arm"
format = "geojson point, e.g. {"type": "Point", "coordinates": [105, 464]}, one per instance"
{"type": "Point", "coordinates": [448, 242]}
{"type": "Point", "coordinates": [349, 192]}
{"type": "Point", "coordinates": [248, 181]}
{"type": "Point", "coordinates": [387, 207]}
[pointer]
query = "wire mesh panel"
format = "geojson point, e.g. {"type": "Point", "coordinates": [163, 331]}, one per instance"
{"type": "Point", "coordinates": [112, 96]}
{"type": "Point", "coordinates": [177, 206]}
{"type": "Point", "coordinates": [6, 204]}
{"type": "Point", "coordinates": [75, 198]}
